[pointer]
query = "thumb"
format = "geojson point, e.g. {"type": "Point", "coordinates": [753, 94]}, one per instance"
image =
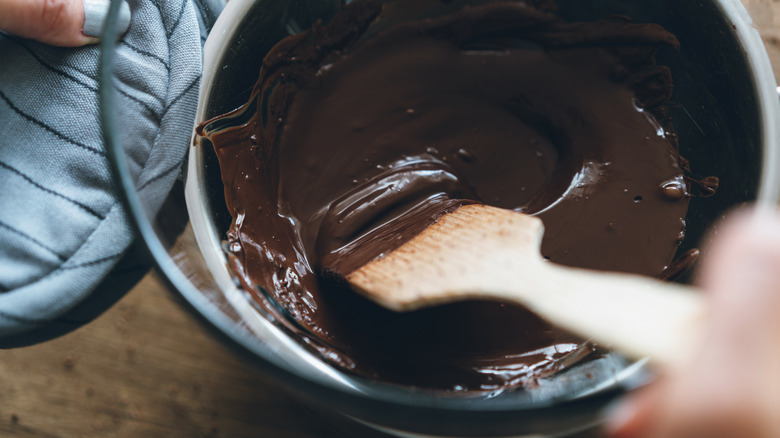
{"type": "Point", "coordinates": [66, 23]}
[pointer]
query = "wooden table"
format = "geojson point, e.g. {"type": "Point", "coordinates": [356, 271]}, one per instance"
{"type": "Point", "coordinates": [148, 368]}
{"type": "Point", "coordinates": [145, 368]}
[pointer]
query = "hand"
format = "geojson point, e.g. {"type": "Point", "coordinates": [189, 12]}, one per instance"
{"type": "Point", "coordinates": [67, 23]}
{"type": "Point", "coordinates": [730, 387]}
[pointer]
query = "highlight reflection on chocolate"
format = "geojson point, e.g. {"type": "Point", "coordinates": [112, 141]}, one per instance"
{"type": "Point", "coordinates": [361, 132]}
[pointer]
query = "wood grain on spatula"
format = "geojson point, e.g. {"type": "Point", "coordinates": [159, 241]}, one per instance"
{"type": "Point", "coordinates": [482, 252]}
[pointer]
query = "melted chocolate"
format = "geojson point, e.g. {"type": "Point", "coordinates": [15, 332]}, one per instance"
{"type": "Point", "coordinates": [362, 132]}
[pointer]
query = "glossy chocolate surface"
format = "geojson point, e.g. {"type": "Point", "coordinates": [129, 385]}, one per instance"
{"type": "Point", "coordinates": [361, 132]}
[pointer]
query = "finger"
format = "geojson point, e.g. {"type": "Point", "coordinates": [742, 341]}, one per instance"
{"type": "Point", "coordinates": [67, 23]}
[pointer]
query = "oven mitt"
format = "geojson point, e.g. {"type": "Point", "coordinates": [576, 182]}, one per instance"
{"type": "Point", "coordinates": [63, 228]}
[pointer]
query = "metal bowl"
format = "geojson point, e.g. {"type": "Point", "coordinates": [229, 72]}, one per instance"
{"type": "Point", "coordinates": [726, 119]}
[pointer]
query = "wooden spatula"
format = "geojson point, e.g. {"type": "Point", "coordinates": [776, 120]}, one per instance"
{"type": "Point", "coordinates": [482, 252]}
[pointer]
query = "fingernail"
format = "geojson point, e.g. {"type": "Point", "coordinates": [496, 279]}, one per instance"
{"type": "Point", "coordinates": [95, 13]}
{"type": "Point", "coordinates": [767, 219]}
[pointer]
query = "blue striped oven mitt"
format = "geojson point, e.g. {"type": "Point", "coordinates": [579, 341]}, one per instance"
{"type": "Point", "coordinates": [65, 237]}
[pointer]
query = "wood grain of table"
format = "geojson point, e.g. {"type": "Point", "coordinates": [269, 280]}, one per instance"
{"type": "Point", "coordinates": [145, 368]}
{"type": "Point", "coordinates": [149, 368]}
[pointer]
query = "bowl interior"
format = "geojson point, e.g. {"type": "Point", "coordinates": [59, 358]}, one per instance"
{"type": "Point", "coordinates": [716, 111]}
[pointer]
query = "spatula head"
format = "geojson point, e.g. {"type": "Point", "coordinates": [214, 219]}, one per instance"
{"type": "Point", "coordinates": [453, 259]}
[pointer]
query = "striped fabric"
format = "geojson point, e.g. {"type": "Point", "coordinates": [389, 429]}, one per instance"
{"type": "Point", "coordinates": [62, 227]}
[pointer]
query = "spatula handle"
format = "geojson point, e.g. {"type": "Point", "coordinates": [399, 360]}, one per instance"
{"type": "Point", "coordinates": [637, 315]}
